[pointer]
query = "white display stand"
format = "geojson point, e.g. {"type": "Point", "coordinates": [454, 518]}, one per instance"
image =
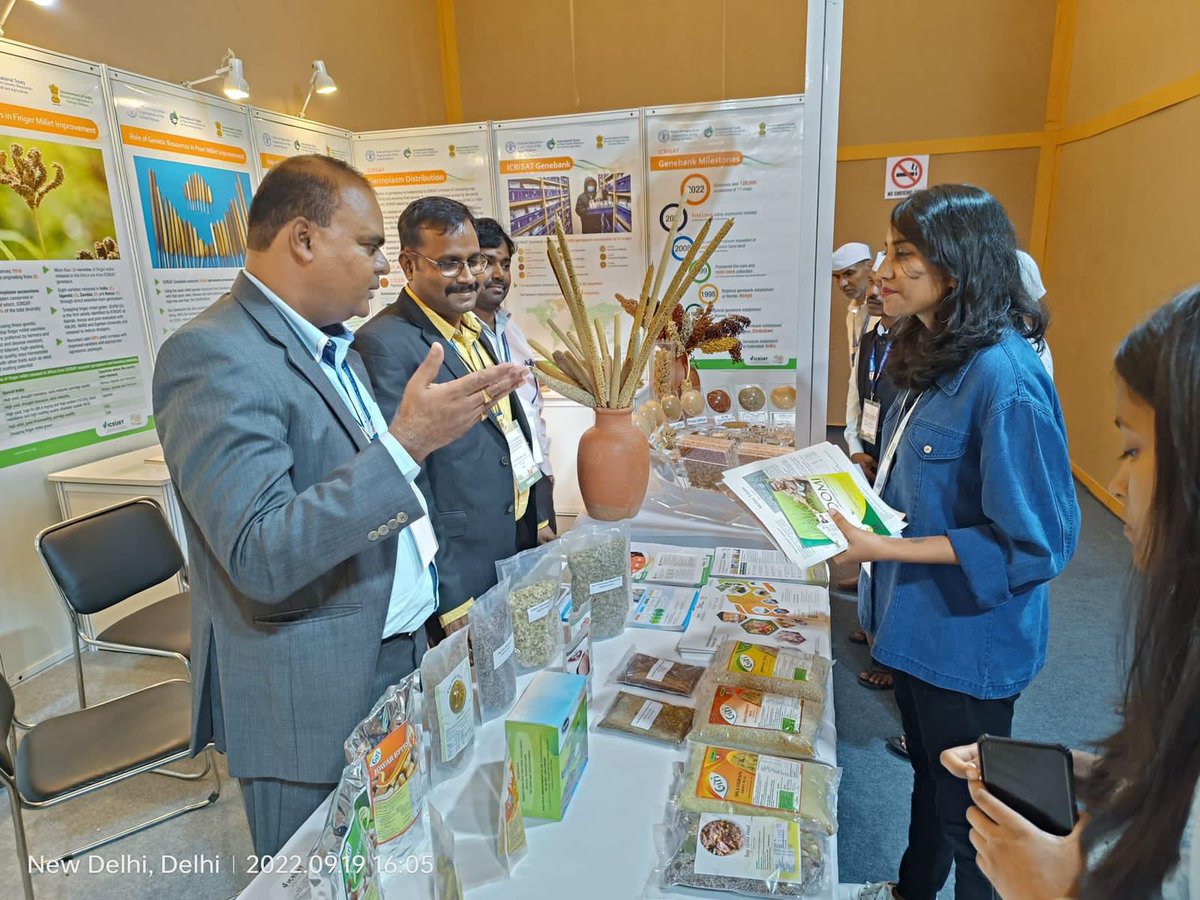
{"type": "Point", "coordinates": [604, 847]}
{"type": "Point", "coordinates": [139, 473]}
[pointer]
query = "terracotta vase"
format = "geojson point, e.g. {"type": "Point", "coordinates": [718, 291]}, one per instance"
{"type": "Point", "coordinates": [614, 466]}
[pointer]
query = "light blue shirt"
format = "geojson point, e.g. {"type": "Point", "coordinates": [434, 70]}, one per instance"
{"type": "Point", "coordinates": [414, 586]}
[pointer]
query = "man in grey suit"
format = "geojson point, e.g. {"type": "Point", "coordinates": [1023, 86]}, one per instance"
{"type": "Point", "coordinates": [311, 553]}
{"type": "Point", "coordinates": [479, 486]}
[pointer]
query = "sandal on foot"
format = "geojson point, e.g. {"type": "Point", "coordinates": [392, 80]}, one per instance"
{"type": "Point", "coordinates": [866, 679]}
{"type": "Point", "coordinates": [897, 745]}
{"type": "Point", "coordinates": [858, 637]}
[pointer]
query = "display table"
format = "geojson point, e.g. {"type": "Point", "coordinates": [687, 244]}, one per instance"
{"type": "Point", "coordinates": [604, 848]}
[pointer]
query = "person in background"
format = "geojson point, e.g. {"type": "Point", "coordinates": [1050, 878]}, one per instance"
{"type": "Point", "coordinates": [1031, 278]}
{"type": "Point", "coordinates": [508, 344]}
{"type": "Point", "coordinates": [851, 273]}
{"type": "Point", "coordinates": [1143, 791]}
{"type": "Point", "coordinates": [480, 486]}
{"type": "Point", "coordinates": [975, 456]}
{"type": "Point", "coordinates": [868, 401]}
{"type": "Point", "coordinates": [592, 220]}
{"type": "Point", "coordinates": [310, 548]}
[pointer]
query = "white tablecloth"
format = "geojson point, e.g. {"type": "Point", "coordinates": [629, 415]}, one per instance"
{"type": "Point", "coordinates": [604, 847]}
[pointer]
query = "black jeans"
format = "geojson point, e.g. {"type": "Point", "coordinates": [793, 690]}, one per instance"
{"type": "Point", "coordinates": [934, 720]}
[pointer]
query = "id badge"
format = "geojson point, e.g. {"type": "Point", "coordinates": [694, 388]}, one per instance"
{"type": "Point", "coordinates": [868, 425]}
{"type": "Point", "coordinates": [526, 471]}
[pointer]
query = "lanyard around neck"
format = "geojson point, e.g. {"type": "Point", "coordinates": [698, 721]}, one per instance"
{"type": "Point", "coordinates": [360, 412]}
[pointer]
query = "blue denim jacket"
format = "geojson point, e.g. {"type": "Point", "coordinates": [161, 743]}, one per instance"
{"type": "Point", "coordinates": [984, 462]}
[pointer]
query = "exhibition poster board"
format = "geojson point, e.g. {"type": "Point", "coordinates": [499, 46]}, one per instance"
{"type": "Point", "coordinates": [278, 137]}
{"type": "Point", "coordinates": [586, 173]}
{"type": "Point", "coordinates": [188, 168]}
{"type": "Point", "coordinates": [406, 164]}
{"type": "Point", "coordinates": [74, 367]}
{"type": "Point", "coordinates": [740, 160]}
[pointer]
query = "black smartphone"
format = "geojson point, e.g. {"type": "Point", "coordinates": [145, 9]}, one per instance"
{"type": "Point", "coordinates": [1034, 779]}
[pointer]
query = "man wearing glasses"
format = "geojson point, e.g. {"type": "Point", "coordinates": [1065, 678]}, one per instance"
{"type": "Point", "coordinates": [479, 486]}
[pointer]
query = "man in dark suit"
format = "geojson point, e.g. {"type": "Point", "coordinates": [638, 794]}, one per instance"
{"type": "Point", "coordinates": [310, 548]}
{"type": "Point", "coordinates": [479, 486]}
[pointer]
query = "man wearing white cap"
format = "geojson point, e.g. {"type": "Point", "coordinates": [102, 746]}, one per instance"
{"type": "Point", "coordinates": [1031, 280]}
{"type": "Point", "coordinates": [851, 271]}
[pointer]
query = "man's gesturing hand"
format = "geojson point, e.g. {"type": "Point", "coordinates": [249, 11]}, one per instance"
{"type": "Point", "coordinates": [432, 415]}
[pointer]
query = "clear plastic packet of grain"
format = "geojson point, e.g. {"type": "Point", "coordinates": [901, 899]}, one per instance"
{"type": "Point", "coordinates": [776, 670]}
{"type": "Point", "coordinates": [653, 673]}
{"type": "Point", "coordinates": [642, 717]}
{"type": "Point", "coordinates": [729, 716]}
{"type": "Point", "coordinates": [534, 586]}
{"type": "Point", "coordinates": [724, 780]}
{"type": "Point", "coordinates": [755, 856]}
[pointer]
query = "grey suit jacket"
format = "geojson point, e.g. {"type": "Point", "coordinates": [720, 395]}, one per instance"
{"type": "Point", "coordinates": [469, 482]}
{"type": "Point", "coordinates": [282, 499]}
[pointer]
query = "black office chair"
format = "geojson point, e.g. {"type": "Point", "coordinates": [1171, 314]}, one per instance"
{"type": "Point", "coordinates": [67, 756]}
{"type": "Point", "coordinates": [102, 558]}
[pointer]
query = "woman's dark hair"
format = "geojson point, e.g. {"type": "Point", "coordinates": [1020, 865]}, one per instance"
{"type": "Point", "coordinates": [964, 233]}
{"type": "Point", "coordinates": [1140, 792]}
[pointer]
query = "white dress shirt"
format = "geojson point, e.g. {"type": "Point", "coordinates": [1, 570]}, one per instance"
{"type": "Point", "coordinates": [414, 585]}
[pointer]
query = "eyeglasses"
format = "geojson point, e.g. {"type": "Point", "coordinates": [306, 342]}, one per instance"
{"type": "Point", "coordinates": [452, 268]}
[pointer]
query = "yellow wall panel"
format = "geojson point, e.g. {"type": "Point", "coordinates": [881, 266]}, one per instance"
{"type": "Point", "coordinates": [384, 56]}
{"type": "Point", "coordinates": [1127, 48]}
{"type": "Point", "coordinates": [916, 69]}
{"type": "Point", "coordinates": [1122, 241]}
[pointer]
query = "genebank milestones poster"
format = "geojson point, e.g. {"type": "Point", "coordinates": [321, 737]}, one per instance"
{"type": "Point", "coordinates": [585, 173]}
{"type": "Point", "coordinates": [188, 167]}
{"type": "Point", "coordinates": [74, 366]}
{"type": "Point", "coordinates": [404, 165]}
{"type": "Point", "coordinates": [739, 160]}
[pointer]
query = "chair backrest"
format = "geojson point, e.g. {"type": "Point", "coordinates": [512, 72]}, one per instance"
{"type": "Point", "coordinates": [104, 557]}
{"type": "Point", "coordinates": [8, 710]}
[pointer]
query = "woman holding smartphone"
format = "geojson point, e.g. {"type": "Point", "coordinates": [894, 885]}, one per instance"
{"type": "Point", "coordinates": [1141, 791]}
{"type": "Point", "coordinates": [975, 455]}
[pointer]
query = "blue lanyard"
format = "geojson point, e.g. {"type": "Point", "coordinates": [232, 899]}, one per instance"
{"type": "Point", "coordinates": [875, 371]}
{"type": "Point", "coordinates": [503, 343]}
{"type": "Point", "coordinates": [370, 432]}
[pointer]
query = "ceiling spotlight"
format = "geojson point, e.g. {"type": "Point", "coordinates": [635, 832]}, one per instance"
{"type": "Point", "coordinates": [319, 82]}
{"type": "Point", "coordinates": [6, 8]}
{"type": "Point", "coordinates": [235, 86]}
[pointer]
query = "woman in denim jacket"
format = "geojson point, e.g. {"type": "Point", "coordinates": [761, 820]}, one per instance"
{"type": "Point", "coordinates": [976, 458]}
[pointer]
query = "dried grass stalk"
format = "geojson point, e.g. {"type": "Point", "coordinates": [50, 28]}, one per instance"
{"type": "Point", "coordinates": [569, 391]}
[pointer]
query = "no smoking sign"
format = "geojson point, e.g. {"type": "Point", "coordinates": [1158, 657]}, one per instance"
{"type": "Point", "coordinates": [903, 175]}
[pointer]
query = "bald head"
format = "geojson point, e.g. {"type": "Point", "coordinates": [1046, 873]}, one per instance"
{"type": "Point", "coordinates": [303, 187]}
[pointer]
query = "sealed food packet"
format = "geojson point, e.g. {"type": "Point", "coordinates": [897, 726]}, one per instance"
{"type": "Point", "coordinates": [446, 883]}
{"type": "Point", "coordinates": [510, 824]}
{"type": "Point", "coordinates": [492, 647]}
{"type": "Point", "coordinates": [345, 850]}
{"type": "Point", "coordinates": [657, 674]}
{"type": "Point", "coordinates": [757, 856]}
{"type": "Point", "coordinates": [449, 711]}
{"type": "Point", "coordinates": [598, 556]}
{"type": "Point", "coordinates": [388, 741]}
{"type": "Point", "coordinates": [748, 719]}
{"type": "Point", "coordinates": [724, 780]}
{"type": "Point", "coordinates": [576, 641]}
{"type": "Point", "coordinates": [534, 584]}
{"type": "Point", "coordinates": [776, 670]}
{"type": "Point", "coordinates": [645, 718]}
